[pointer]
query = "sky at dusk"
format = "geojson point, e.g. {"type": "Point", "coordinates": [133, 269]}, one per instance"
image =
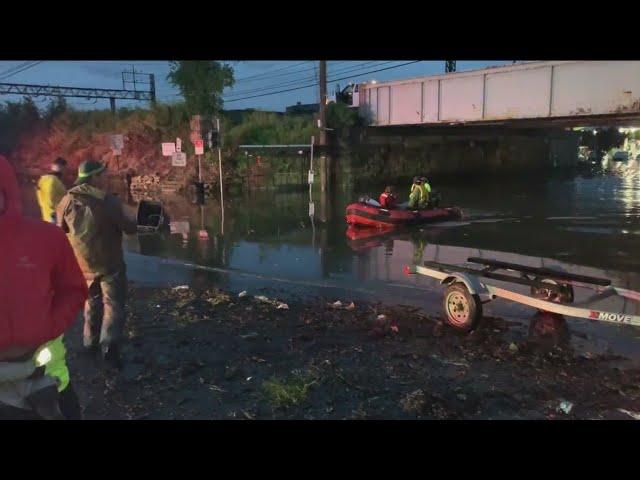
{"type": "Point", "coordinates": [258, 79]}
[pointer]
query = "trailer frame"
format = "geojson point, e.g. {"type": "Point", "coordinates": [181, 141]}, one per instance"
{"type": "Point", "coordinates": [553, 290]}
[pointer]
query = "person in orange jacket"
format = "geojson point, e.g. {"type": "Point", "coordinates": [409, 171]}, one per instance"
{"type": "Point", "coordinates": [388, 199]}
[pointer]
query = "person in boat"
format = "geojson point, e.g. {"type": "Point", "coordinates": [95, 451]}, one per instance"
{"type": "Point", "coordinates": [419, 196]}
{"type": "Point", "coordinates": [425, 184]}
{"type": "Point", "coordinates": [387, 199]}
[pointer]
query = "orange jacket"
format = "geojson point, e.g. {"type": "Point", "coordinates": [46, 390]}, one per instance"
{"type": "Point", "coordinates": [387, 200]}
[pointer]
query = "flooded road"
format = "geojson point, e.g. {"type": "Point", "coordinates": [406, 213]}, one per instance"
{"type": "Point", "coordinates": [587, 222]}
{"type": "Point", "coordinates": [590, 219]}
{"type": "Point", "coordinates": [203, 351]}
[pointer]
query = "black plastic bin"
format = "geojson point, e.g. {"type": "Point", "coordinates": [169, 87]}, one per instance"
{"type": "Point", "coordinates": [151, 216]}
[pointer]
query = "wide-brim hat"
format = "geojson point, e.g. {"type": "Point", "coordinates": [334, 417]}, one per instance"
{"type": "Point", "coordinates": [88, 169]}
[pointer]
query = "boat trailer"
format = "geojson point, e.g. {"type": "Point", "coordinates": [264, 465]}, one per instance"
{"type": "Point", "coordinates": [551, 291]}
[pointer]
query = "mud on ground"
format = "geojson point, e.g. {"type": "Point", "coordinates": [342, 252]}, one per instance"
{"type": "Point", "coordinates": [208, 354]}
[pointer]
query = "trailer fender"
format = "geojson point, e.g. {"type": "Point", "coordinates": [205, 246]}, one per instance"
{"type": "Point", "coordinates": [471, 283]}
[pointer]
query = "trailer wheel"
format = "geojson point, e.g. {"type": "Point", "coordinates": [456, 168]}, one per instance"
{"type": "Point", "coordinates": [463, 309]}
{"type": "Point", "coordinates": [566, 294]}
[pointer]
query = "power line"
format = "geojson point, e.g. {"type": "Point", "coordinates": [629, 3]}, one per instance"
{"type": "Point", "coordinates": [354, 73]}
{"type": "Point", "coordinates": [19, 70]}
{"type": "Point", "coordinates": [269, 72]}
{"type": "Point", "coordinates": [314, 68]}
{"type": "Point", "coordinates": [316, 83]}
{"type": "Point", "coordinates": [305, 79]}
{"type": "Point", "coordinates": [15, 67]}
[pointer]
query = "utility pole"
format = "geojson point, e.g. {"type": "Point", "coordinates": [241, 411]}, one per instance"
{"type": "Point", "coordinates": [152, 89]}
{"type": "Point", "coordinates": [324, 166]}
{"type": "Point", "coordinates": [323, 101]}
{"type": "Point", "coordinates": [133, 75]}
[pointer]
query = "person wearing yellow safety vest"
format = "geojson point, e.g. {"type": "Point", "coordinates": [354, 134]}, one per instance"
{"type": "Point", "coordinates": [50, 190]}
{"type": "Point", "coordinates": [419, 195]}
{"type": "Point", "coordinates": [41, 293]}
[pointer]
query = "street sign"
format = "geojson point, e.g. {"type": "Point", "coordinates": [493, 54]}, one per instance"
{"type": "Point", "coordinates": [179, 159]}
{"type": "Point", "coordinates": [194, 137]}
{"type": "Point", "coordinates": [117, 144]}
{"type": "Point", "coordinates": [178, 145]}
{"type": "Point", "coordinates": [195, 123]}
{"type": "Point", "coordinates": [168, 149]}
{"type": "Point", "coordinates": [199, 146]}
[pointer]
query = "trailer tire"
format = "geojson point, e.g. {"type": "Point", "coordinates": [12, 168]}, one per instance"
{"type": "Point", "coordinates": [462, 309]}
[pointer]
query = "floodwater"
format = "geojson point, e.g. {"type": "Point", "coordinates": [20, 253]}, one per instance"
{"type": "Point", "coordinates": [586, 221]}
{"type": "Point", "coordinates": [589, 218]}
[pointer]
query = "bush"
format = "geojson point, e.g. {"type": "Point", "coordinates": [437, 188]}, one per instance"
{"type": "Point", "coordinates": [266, 128]}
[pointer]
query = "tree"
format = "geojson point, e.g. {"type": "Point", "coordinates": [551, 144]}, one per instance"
{"type": "Point", "coordinates": [55, 108]}
{"type": "Point", "coordinates": [340, 116]}
{"type": "Point", "coordinates": [201, 84]}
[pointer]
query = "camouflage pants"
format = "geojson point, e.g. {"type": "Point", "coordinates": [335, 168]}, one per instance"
{"type": "Point", "coordinates": [104, 314]}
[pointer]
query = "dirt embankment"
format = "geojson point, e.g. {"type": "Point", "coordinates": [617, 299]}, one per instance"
{"type": "Point", "coordinates": [142, 154]}
{"type": "Point", "coordinates": [35, 150]}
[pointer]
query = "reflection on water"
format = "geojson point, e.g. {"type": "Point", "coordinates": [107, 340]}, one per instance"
{"type": "Point", "coordinates": [587, 224]}
{"type": "Point", "coordinates": [591, 220]}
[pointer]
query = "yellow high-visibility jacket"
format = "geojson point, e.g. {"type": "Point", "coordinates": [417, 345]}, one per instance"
{"type": "Point", "coordinates": [50, 192]}
{"type": "Point", "coordinates": [52, 355]}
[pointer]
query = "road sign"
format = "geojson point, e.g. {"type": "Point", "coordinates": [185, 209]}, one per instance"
{"type": "Point", "coordinates": [178, 145]}
{"type": "Point", "coordinates": [199, 146]}
{"type": "Point", "coordinates": [179, 159]}
{"type": "Point", "coordinates": [168, 149]}
{"type": "Point", "coordinates": [194, 137]}
{"type": "Point", "coordinates": [195, 123]}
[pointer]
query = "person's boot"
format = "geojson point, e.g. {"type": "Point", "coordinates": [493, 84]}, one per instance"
{"type": "Point", "coordinates": [111, 357]}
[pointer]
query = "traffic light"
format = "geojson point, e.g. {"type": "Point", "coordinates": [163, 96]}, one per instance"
{"type": "Point", "coordinates": [212, 137]}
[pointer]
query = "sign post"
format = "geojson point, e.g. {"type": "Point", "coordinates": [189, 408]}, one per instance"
{"type": "Point", "coordinates": [117, 145]}
{"type": "Point", "coordinates": [199, 148]}
{"type": "Point", "coordinates": [220, 172]}
{"type": "Point", "coordinates": [312, 206]}
{"type": "Point", "coordinates": [196, 140]}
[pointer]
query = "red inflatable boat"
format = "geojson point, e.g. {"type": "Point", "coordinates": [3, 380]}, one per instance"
{"type": "Point", "coordinates": [366, 215]}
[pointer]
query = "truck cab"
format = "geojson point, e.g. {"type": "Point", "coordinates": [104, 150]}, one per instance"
{"type": "Point", "coordinates": [350, 95]}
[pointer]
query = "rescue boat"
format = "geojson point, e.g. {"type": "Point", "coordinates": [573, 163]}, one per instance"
{"type": "Point", "coordinates": [369, 213]}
